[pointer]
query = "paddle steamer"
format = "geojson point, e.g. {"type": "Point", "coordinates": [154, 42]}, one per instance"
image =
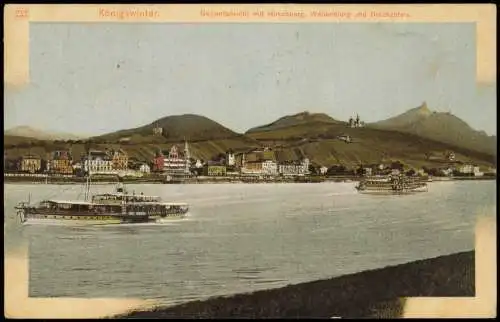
{"type": "Point", "coordinates": [109, 208]}
{"type": "Point", "coordinates": [391, 185]}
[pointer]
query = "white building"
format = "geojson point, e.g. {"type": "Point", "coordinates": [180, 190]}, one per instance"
{"type": "Point", "coordinates": [294, 168]}
{"type": "Point", "coordinates": [198, 164]}
{"type": "Point", "coordinates": [98, 162]}
{"type": "Point", "coordinates": [368, 171]}
{"type": "Point", "coordinates": [176, 162]}
{"type": "Point", "coordinates": [230, 159]}
{"type": "Point", "coordinates": [470, 169]}
{"type": "Point", "coordinates": [305, 165]}
{"type": "Point", "coordinates": [123, 140]}
{"type": "Point", "coordinates": [157, 130]}
{"type": "Point", "coordinates": [466, 169]}
{"type": "Point", "coordinates": [252, 168]}
{"type": "Point", "coordinates": [323, 170]}
{"type": "Point", "coordinates": [145, 168]}
{"type": "Point", "coordinates": [269, 167]}
{"type": "Point", "coordinates": [289, 168]}
{"type": "Point", "coordinates": [447, 172]}
{"type": "Point", "coordinates": [356, 122]}
{"type": "Point", "coordinates": [395, 172]}
{"type": "Point", "coordinates": [345, 138]}
{"type": "Point", "coordinates": [477, 172]}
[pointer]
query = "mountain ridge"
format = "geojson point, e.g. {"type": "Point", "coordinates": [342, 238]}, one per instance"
{"type": "Point", "coordinates": [316, 135]}
{"type": "Point", "coordinates": [35, 133]}
{"type": "Point", "coordinates": [177, 127]}
{"type": "Point", "coordinates": [439, 126]}
{"type": "Point", "coordinates": [294, 119]}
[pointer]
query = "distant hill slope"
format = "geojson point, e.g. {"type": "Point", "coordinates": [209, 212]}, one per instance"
{"type": "Point", "coordinates": [30, 132]}
{"type": "Point", "coordinates": [315, 136]}
{"type": "Point", "coordinates": [320, 143]}
{"type": "Point", "coordinates": [206, 139]}
{"type": "Point", "coordinates": [295, 120]}
{"type": "Point", "coordinates": [442, 127]}
{"type": "Point", "coordinates": [176, 128]}
{"type": "Point", "coordinates": [145, 152]}
{"type": "Point", "coordinates": [15, 140]}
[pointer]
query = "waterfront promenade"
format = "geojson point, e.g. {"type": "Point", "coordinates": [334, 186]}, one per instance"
{"type": "Point", "coordinates": [161, 179]}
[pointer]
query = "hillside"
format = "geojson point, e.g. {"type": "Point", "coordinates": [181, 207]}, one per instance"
{"type": "Point", "coordinates": [291, 138]}
{"type": "Point", "coordinates": [295, 120]}
{"type": "Point", "coordinates": [408, 118]}
{"type": "Point", "coordinates": [204, 150]}
{"type": "Point", "coordinates": [9, 140]}
{"type": "Point", "coordinates": [442, 127]}
{"type": "Point", "coordinates": [320, 143]}
{"type": "Point", "coordinates": [174, 128]}
{"type": "Point", "coordinates": [30, 132]}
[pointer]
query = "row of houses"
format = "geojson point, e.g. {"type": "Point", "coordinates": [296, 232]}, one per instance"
{"type": "Point", "coordinates": [465, 170]}
{"type": "Point", "coordinates": [174, 162]}
{"type": "Point", "coordinates": [62, 162]}
{"type": "Point", "coordinates": [256, 162]}
{"type": "Point", "coordinates": [177, 162]}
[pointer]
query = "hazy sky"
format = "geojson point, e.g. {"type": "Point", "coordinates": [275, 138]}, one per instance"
{"type": "Point", "coordinates": [95, 78]}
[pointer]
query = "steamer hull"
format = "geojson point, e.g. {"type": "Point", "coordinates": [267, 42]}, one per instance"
{"type": "Point", "coordinates": [109, 208]}
{"type": "Point", "coordinates": [391, 186]}
{"type": "Point", "coordinates": [77, 212]}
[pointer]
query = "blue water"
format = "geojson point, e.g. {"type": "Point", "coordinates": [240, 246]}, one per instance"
{"type": "Point", "coordinates": [244, 237]}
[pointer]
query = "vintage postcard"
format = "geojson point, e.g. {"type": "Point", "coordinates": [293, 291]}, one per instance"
{"type": "Point", "coordinates": [250, 161]}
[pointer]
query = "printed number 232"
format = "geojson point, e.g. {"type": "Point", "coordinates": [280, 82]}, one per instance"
{"type": "Point", "coordinates": [22, 13]}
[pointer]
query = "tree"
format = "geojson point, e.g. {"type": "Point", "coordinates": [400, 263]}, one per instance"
{"type": "Point", "coordinates": [197, 171]}
{"type": "Point", "coordinates": [397, 165]}
{"type": "Point", "coordinates": [219, 157]}
{"type": "Point", "coordinates": [313, 170]}
{"type": "Point", "coordinates": [43, 166]}
{"type": "Point", "coordinates": [336, 170]}
{"type": "Point", "coordinates": [410, 172]}
{"type": "Point", "coordinates": [360, 170]}
{"type": "Point", "coordinates": [11, 165]}
{"type": "Point", "coordinates": [433, 172]}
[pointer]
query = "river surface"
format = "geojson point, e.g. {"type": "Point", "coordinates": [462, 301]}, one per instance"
{"type": "Point", "coordinates": [243, 237]}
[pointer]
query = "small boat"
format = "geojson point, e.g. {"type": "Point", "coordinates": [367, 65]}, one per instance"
{"type": "Point", "coordinates": [110, 208]}
{"type": "Point", "coordinates": [391, 185]}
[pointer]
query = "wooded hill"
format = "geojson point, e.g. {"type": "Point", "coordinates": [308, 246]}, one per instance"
{"type": "Point", "coordinates": [291, 137]}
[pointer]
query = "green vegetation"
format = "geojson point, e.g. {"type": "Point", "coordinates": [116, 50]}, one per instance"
{"type": "Point", "coordinates": [297, 119]}
{"type": "Point", "coordinates": [315, 136]}
{"type": "Point", "coordinates": [174, 128]}
{"type": "Point", "coordinates": [320, 143]}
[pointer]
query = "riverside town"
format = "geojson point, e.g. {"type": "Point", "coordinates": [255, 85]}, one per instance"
{"type": "Point", "coordinates": [177, 164]}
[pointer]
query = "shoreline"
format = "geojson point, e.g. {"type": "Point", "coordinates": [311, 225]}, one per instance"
{"type": "Point", "coordinates": [376, 293]}
{"type": "Point", "coordinates": [41, 179]}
